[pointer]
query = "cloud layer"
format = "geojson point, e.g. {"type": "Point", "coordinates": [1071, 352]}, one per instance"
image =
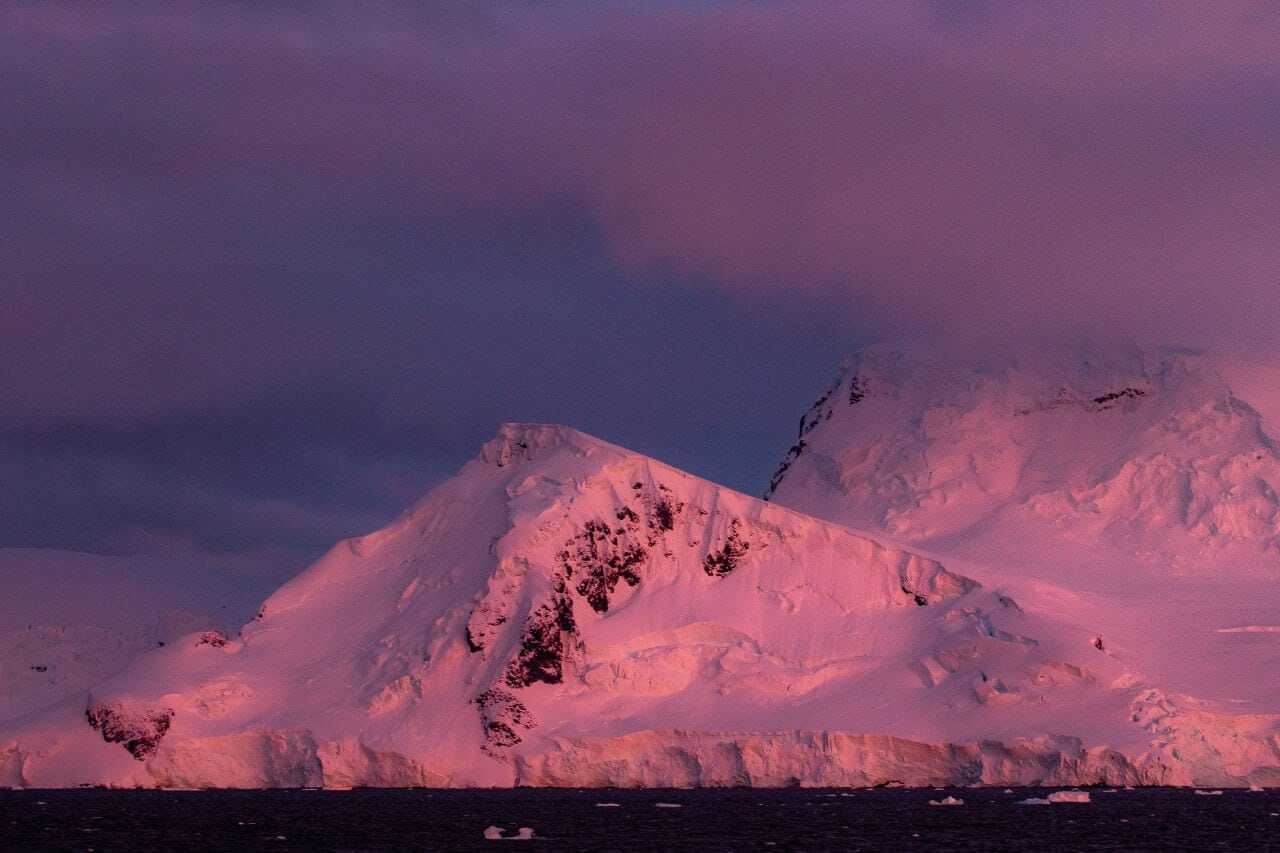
{"type": "Point", "coordinates": [270, 272]}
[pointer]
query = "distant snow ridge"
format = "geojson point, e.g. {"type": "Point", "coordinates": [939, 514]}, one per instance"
{"type": "Point", "coordinates": [1152, 451]}
{"type": "Point", "coordinates": [565, 612]}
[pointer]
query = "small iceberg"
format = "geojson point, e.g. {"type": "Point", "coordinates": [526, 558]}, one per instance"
{"type": "Point", "coordinates": [1208, 793]}
{"type": "Point", "coordinates": [495, 833]}
{"type": "Point", "coordinates": [1256, 789]}
{"type": "Point", "coordinates": [608, 805]}
{"type": "Point", "coordinates": [947, 801]}
{"type": "Point", "coordinates": [668, 805]}
{"type": "Point", "coordinates": [1069, 797]}
{"type": "Point", "coordinates": [1035, 801]}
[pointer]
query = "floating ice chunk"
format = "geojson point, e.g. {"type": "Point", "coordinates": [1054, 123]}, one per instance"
{"type": "Point", "coordinates": [1208, 793]}
{"type": "Point", "coordinates": [1008, 790]}
{"type": "Point", "coordinates": [947, 801]}
{"type": "Point", "coordinates": [668, 805]}
{"type": "Point", "coordinates": [495, 833]}
{"type": "Point", "coordinates": [608, 805]}
{"type": "Point", "coordinates": [1035, 801]}
{"type": "Point", "coordinates": [1256, 789]}
{"type": "Point", "coordinates": [1069, 797]}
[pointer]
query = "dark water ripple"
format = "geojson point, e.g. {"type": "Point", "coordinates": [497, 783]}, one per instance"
{"type": "Point", "coordinates": [730, 819]}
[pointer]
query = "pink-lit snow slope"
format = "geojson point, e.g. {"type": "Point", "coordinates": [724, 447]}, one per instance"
{"type": "Point", "coordinates": [564, 612]}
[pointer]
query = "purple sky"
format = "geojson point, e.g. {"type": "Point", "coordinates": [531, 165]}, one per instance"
{"type": "Point", "coordinates": [270, 273]}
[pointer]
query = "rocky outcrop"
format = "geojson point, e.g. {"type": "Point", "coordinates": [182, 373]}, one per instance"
{"type": "Point", "coordinates": [139, 729]}
{"type": "Point", "coordinates": [503, 717]}
{"type": "Point", "coordinates": [547, 634]}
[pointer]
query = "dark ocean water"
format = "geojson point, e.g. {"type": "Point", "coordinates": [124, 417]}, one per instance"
{"type": "Point", "coordinates": [728, 819]}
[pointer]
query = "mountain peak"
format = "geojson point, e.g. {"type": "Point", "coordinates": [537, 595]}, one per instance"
{"type": "Point", "coordinates": [516, 442]}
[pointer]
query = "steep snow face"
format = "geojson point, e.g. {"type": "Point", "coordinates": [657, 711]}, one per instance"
{"type": "Point", "coordinates": [550, 614]}
{"type": "Point", "coordinates": [1153, 453]}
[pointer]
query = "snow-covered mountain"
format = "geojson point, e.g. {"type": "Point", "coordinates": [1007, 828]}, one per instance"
{"type": "Point", "coordinates": [564, 612]}
{"type": "Point", "coordinates": [1155, 453]}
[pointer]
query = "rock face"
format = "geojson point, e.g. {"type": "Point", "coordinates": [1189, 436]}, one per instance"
{"type": "Point", "coordinates": [547, 615]}
{"type": "Point", "coordinates": [138, 729]}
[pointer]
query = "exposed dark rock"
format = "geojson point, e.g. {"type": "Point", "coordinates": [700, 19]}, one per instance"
{"type": "Point", "coordinates": [820, 411]}
{"type": "Point", "coordinates": [817, 413]}
{"type": "Point", "coordinates": [728, 556]}
{"type": "Point", "coordinates": [857, 390]}
{"type": "Point", "coordinates": [600, 556]}
{"type": "Point", "coordinates": [39, 668]}
{"type": "Point", "coordinates": [920, 600]}
{"type": "Point", "coordinates": [1108, 400]}
{"type": "Point", "coordinates": [138, 730]}
{"type": "Point", "coordinates": [502, 715]}
{"type": "Point", "coordinates": [217, 639]}
{"type": "Point", "coordinates": [793, 453]}
{"type": "Point", "coordinates": [542, 649]}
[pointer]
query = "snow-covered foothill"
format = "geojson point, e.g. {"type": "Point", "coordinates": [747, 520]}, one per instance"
{"type": "Point", "coordinates": [69, 620]}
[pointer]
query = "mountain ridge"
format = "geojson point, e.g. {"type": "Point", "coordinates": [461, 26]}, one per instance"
{"type": "Point", "coordinates": [543, 616]}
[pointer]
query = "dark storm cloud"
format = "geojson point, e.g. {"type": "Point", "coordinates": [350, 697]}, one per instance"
{"type": "Point", "coordinates": [271, 269]}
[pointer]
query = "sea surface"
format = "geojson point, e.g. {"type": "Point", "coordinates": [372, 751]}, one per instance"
{"type": "Point", "coordinates": [573, 819]}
